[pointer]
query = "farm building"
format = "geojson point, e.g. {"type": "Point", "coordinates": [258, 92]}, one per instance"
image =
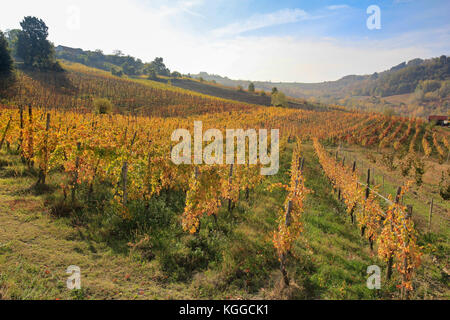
{"type": "Point", "coordinates": [439, 120]}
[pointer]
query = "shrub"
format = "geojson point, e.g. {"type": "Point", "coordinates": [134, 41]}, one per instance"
{"type": "Point", "coordinates": [444, 189]}
{"type": "Point", "coordinates": [419, 167]}
{"type": "Point", "coordinates": [116, 72]}
{"type": "Point", "coordinates": [102, 106]}
{"type": "Point", "coordinates": [279, 100]}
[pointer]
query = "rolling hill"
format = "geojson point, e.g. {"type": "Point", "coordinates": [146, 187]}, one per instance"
{"type": "Point", "coordinates": [427, 79]}
{"type": "Point", "coordinates": [424, 83]}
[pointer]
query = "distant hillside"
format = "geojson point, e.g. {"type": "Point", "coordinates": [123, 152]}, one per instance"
{"type": "Point", "coordinates": [427, 82]}
{"type": "Point", "coordinates": [238, 95]}
{"type": "Point", "coordinates": [400, 79]}
{"type": "Point", "coordinates": [423, 85]}
{"type": "Point", "coordinates": [121, 65]}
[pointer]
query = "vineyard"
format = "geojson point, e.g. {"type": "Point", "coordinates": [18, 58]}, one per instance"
{"type": "Point", "coordinates": [217, 231]}
{"type": "Point", "coordinates": [393, 230]}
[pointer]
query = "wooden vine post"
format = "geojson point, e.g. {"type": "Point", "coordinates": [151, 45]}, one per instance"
{"type": "Point", "coordinates": [404, 291]}
{"type": "Point", "coordinates": [197, 176]}
{"type": "Point", "coordinates": [75, 174]}
{"type": "Point", "coordinates": [391, 258]}
{"type": "Point", "coordinates": [44, 165]}
{"type": "Point", "coordinates": [230, 181]}
{"type": "Point", "coordinates": [4, 132]}
{"type": "Point", "coordinates": [125, 166]}
{"type": "Point", "coordinates": [124, 183]}
{"type": "Point", "coordinates": [30, 137]}
{"type": "Point", "coordinates": [366, 196]}
{"type": "Point", "coordinates": [283, 256]}
{"type": "Point", "coordinates": [20, 146]}
{"type": "Point", "coordinates": [343, 165]}
{"type": "Point", "coordinates": [430, 215]}
{"type": "Point", "coordinates": [354, 206]}
{"type": "Point", "coordinates": [247, 188]}
{"type": "Point", "coordinates": [339, 189]}
{"type": "Point", "coordinates": [301, 163]}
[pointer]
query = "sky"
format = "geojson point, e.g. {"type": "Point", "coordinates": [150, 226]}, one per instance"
{"type": "Point", "coordinates": [260, 40]}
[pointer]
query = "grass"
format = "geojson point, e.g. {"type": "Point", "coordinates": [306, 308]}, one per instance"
{"type": "Point", "coordinates": [150, 257]}
{"type": "Point", "coordinates": [433, 277]}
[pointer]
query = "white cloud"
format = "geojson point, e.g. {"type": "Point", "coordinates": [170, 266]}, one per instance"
{"type": "Point", "coordinates": [180, 7]}
{"type": "Point", "coordinates": [259, 21]}
{"type": "Point", "coordinates": [149, 31]}
{"type": "Point", "coordinates": [338, 6]}
{"type": "Point", "coordinates": [296, 60]}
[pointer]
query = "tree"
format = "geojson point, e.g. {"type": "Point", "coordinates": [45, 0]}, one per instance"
{"type": "Point", "coordinates": [159, 67]}
{"type": "Point", "coordinates": [6, 67]}
{"type": "Point", "coordinates": [251, 87]}
{"type": "Point", "coordinates": [152, 75]}
{"type": "Point", "coordinates": [429, 85]}
{"type": "Point", "coordinates": [129, 69]}
{"type": "Point", "coordinates": [33, 47]}
{"type": "Point", "coordinates": [279, 100]}
{"type": "Point", "coordinates": [12, 36]}
{"type": "Point", "coordinates": [444, 91]}
{"type": "Point", "coordinates": [176, 74]}
{"type": "Point", "coordinates": [6, 62]}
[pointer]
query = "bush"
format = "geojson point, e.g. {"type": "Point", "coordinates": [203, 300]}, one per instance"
{"type": "Point", "coordinates": [388, 160]}
{"type": "Point", "coordinates": [116, 72]}
{"type": "Point", "coordinates": [102, 106]}
{"type": "Point", "coordinates": [444, 189]}
{"type": "Point", "coordinates": [419, 167]}
{"type": "Point", "coordinates": [279, 100]}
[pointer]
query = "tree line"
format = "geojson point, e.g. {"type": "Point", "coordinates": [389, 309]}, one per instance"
{"type": "Point", "coordinates": [31, 50]}
{"type": "Point", "coordinates": [117, 63]}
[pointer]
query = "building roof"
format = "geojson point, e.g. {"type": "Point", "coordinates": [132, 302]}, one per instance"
{"type": "Point", "coordinates": [437, 118]}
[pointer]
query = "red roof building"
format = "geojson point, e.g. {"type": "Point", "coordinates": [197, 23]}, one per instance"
{"type": "Point", "coordinates": [440, 120]}
{"type": "Point", "coordinates": [437, 118]}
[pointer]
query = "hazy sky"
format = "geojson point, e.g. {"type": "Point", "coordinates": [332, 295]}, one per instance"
{"type": "Point", "coordinates": [282, 40]}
